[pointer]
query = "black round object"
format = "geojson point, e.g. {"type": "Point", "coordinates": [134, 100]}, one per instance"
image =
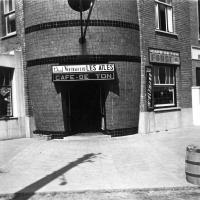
{"type": "Point", "coordinates": [76, 4]}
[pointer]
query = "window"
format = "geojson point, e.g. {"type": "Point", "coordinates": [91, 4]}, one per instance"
{"type": "Point", "coordinates": [164, 15]}
{"type": "Point", "coordinates": [9, 16]}
{"type": "Point", "coordinates": [6, 92]}
{"type": "Point", "coordinates": [164, 86]}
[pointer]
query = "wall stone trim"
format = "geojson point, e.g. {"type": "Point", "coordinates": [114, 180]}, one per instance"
{"type": "Point", "coordinates": [80, 59]}
{"type": "Point", "coordinates": [72, 23]}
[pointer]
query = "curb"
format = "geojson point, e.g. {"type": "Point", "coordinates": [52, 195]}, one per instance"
{"type": "Point", "coordinates": [133, 190]}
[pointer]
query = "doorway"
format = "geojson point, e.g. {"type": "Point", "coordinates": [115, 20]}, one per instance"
{"type": "Point", "coordinates": [85, 107]}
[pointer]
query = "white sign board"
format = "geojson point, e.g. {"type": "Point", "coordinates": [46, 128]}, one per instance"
{"type": "Point", "coordinates": [83, 68]}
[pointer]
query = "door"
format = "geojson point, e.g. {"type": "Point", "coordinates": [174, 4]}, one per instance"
{"type": "Point", "coordinates": [85, 107]}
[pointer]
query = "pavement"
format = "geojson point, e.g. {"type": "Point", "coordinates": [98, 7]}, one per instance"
{"type": "Point", "coordinates": [96, 163]}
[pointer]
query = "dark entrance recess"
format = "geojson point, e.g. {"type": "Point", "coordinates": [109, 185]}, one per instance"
{"type": "Point", "coordinates": [85, 104]}
{"type": "Point", "coordinates": [198, 76]}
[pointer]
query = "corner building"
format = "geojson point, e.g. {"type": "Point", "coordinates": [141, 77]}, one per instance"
{"type": "Point", "coordinates": [61, 108]}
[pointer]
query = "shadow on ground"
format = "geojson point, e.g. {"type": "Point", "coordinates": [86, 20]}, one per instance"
{"type": "Point", "coordinates": [30, 190]}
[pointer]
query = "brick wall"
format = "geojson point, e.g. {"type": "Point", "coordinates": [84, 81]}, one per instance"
{"type": "Point", "coordinates": [47, 102]}
{"type": "Point", "coordinates": [194, 25]}
{"type": "Point", "coordinates": [122, 104]}
{"type": "Point", "coordinates": [58, 10]}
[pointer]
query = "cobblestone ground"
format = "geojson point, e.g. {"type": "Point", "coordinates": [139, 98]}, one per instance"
{"type": "Point", "coordinates": [180, 194]}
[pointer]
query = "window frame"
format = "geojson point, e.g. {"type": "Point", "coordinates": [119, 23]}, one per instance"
{"type": "Point", "coordinates": [6, 14]}
{"type": "Point", "coordinates": [171, 85]}
{"type": "Point", "coordinates": [157, 17]}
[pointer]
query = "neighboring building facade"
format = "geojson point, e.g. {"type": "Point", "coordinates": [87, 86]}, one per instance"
{"type": "Point", "coordinates": [15, 122]}
{"type": "Point", "coordinates": [166, 72]}
{"type": "Point", "coordinates": [133, 73]}
{"type": "Point", "coordinates": [195, 49]}
{"type": "Point", "coordinates": [195, 46]}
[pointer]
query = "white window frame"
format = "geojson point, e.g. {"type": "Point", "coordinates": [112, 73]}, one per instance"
{"type": "Point", "coordinates": [6, 14]}
{"type": "Point", "coordinates": [168, 16]}
{"type": "Point", "coordinates": [166, 85]}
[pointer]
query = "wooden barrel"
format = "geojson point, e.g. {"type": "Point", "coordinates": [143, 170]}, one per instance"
{"type": "Point", "coordinates": [192, 164]}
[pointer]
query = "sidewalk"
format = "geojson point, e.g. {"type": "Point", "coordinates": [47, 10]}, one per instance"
{"type": "Point", "coordinates": [156, 160]}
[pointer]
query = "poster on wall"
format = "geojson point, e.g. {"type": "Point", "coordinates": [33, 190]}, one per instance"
{"type": "Point", "coordinates": [163, 56]}
{"type": "Point", "coordinates": [149, 87]}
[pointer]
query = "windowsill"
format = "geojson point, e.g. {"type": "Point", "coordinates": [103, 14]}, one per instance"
{"type": "Point", "coordinates": [196, 59]}
{"type": "Point", "coordinates": [13, 34]}
{"type": "Point", "coordinates": [164, 33]}
{"type": "Point", "coordinates": [167, 109]}
{"type": "Point", "coordinates": [7, 118]}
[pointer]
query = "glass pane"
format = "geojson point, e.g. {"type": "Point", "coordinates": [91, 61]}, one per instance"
{"type": "Point", "coordinates": [162, 17]}
{"type": "Point", "coordinates": [5, 92]}
{"type": "Point", "coordinates": [5, 101]}
{"type": "Point", "coordinates": [156, 16]}
{"type": "Point", "coordinates": [156, 75]}
{"type": "Point", "coordinates": [167, 71]}
{"type": "Point", "coordinates": [170, 19]}
{"type": "Point", "coordinates": [172, 76]}
{"type": "Point", "coordinates": [162, 75]}
{"type": "Point", "coordinates": [10, 20]}
{"type": "Point", "coordinates": [163, 95]}
{"type": "Point", "coordinates": [5, 76]}
{"type": "Point", "coordinates": [8, 5]}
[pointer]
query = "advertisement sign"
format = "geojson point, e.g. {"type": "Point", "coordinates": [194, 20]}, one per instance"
{"type": "Point", "coordinates": [83, 72]}
{"type": "Point", "coordinates": [149, 87]}
{"type": "Point", "coordinates": [165, 57]}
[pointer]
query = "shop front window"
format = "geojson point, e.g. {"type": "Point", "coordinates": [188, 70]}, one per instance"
{"type": "Point", "coordinates": [164, 86]}
{"type": "Point", "coordinates": [164, 15]}
{"type": "Point", "coordinates": [5, 92]}
{"type": "Point", "coordinates": [9, 24]}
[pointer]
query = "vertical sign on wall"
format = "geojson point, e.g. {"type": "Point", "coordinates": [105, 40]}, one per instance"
{"type": "Point", "coordinates": [149, 87]}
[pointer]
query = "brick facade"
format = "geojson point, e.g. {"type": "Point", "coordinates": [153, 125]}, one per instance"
{"type": "Point", "coordinates": [194, 26]}
{"type": "Point", "coordinates": [20, 124]}
{"type": "Point", "coordinates": [179, 41]}
{"type": "Point", "coordinates": [120, 32]}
